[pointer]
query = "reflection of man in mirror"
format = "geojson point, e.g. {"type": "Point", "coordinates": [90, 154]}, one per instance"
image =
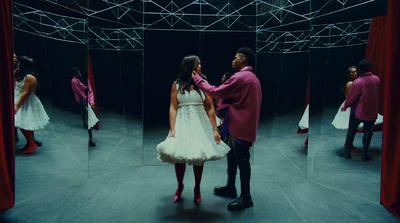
{"type": "Point", "coordinates": [241, 96]}
{"type": "Point", "coordinates": [363, 98]}
{"type": "Point", "coordinates": [80, 92]}
{"type": "Point", "coordinates": [218, 102]}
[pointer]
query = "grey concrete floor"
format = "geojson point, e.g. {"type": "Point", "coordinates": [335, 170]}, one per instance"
{"type": "Point", "coordinates": [121, 180]}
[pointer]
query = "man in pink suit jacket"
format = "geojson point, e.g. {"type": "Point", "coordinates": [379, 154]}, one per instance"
{"type": "Point", "coordinates": [80, 93]}
{"type": "Point", "coordinates": [241, 95]}
{"type": "Point", "coordinates": [83, 95]}
{"type": "Point", "coordinates": [363, 99]}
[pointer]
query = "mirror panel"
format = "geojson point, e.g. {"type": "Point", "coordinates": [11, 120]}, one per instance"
{"type": "Point", "coordinates": [283, 61]}
{"type": "Point", "coordinates": [62, 158]}
{"type": "Point", "coordinates": [339, 40]}
{"type": "Point", "coordinates": [116, 52]}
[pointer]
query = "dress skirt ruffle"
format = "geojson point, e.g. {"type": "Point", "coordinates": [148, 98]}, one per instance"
{"type": "Point", "coordinates": [194, 139]}
{"type": "Point", "coordinates": [31, 115]}
{"type": "Point", "coordinates": [341, 120]}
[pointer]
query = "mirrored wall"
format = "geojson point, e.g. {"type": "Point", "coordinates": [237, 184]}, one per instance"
{"type": "Point", "coordinates": [130, 55]}
{"type": "Point", "coordinates": [116, 55]}
{"type": "Point", "coordinates": [339, 37]}
{"type": "Point", "coordinates": [62, 156]}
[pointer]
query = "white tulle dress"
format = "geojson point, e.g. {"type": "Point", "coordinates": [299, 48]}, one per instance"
{"type": "Point", "coordinates": [303, 124]}
{"type": "Point", "coordinates": [194, 137]}
{"type": "Point", "coordinates": [92, 118]}
{"type": "Point", "coordinates": [341, 120]}
{"type": "Point", "coordinates": [31, 115]}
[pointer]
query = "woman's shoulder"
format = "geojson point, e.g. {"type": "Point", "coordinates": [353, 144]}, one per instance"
{"type": "Point", "coordinates": [31, 77]}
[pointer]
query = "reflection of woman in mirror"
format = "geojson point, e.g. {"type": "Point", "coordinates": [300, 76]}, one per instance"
{"type": "Point", "coordinates": [225, 77]}
{"type": "Point", "coordinates": [92, 118]}
{"type": "Point", "coordinates": [29, 112]}
{"type": "Point", "coordinates": [303, 123]}
{"type": "Point", "coordinates": [16, 67]}
{"type": "Point", "coordinates": [193, 137]}
{"type": "Point", "coordinates": [363, 99]}
{"type": "Point", "coordinates": [15, 60]}
{"type": "Point", "coordinates": [341, 120]}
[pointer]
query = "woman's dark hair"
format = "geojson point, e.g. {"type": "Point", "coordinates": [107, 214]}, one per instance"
{"type": "Point", "coordinates": [347, 72]}
{"type": "Point", "coordinates": [348, 77]}
{"type": "Point", "coordinates": [26, 66]}
{"type": "Point", "coordinates": [74, 71]}
{"type": "Point", "coordinates": [185, 80]}
{"type": "Point", "coordinates": [227, 75]}
{"type": "Point", "coordinates": [249, 54]}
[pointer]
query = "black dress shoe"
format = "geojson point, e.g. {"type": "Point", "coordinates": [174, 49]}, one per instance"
{"type": "Point", "coordinates": [344, 154]}
{"type": "Point", "coordinates": [37, 142]}
{"type": "Point", "coordinates": [225, 192]}
{"type": "Point", "coordinates": [92, 143]}
{"type": "Point", "coordinates": [240, 204]}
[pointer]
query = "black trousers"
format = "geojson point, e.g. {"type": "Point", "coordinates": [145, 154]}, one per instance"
{"type": "Point", "coordinates": [238, 156]}
{"type": "Point", "coordinates": [352, 130]}
{"type": "Point", "coordinates": [84, 112]}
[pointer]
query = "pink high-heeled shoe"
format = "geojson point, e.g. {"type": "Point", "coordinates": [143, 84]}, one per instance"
{"type": "Point", "coordinates": [31, 149]}
{"type": "Point", "coordinates": [197, 197]}
{"type": "Point", "coordinates": [178, 194]}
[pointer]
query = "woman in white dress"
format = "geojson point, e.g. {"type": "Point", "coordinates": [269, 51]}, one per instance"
{"type": "Point", "coordinates": [29, 112]}
{"type": "Point", "coordinates": [193, 137]}
{"type": "Point", "coordinates": [92, 118]}
{"type": "Point", "coordinates": [341, 120]}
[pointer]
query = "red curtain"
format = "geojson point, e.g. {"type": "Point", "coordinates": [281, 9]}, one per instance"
{"type": "Point", "coordinates": [390, 182]}
{"type": "Point", "coordinates": [376, 53]}
{"type": "Point", "coordinates": [91, 81]}
{"type": "Point", "coordinates": [7, 152]}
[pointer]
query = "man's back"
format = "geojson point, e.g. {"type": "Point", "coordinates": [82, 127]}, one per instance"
{"type": "Point", "coordinates": [365, 90]}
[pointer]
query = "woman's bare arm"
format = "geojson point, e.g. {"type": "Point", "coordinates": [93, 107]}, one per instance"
{"type": "Point", "coordinates": [210, 110]}
{"type": "Point", "coordinates": [348, 87]}
{"type": "Point", "coordinates": [173, 107]}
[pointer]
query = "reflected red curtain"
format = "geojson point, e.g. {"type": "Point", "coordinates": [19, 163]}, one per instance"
{"type": "Point", "coordinates": [92, 84]}
{"type": "Point", "coordinates": [376, 53]}
{"type": "Point", "coordinates": [390, 182]}
{"type": "Point", "coordinates": [7, 152]}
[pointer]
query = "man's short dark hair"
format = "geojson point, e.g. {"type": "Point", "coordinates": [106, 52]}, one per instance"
{"type": "Point", "coordinates": [74, 71]}
{"type": "Point", "coordinates": [249, 54]}
{"type": "Point", "coordinates": [364, 65]}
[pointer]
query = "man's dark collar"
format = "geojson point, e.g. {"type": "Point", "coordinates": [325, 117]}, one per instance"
{"type": "Point", "coordinates": [246, 68]}
{"type": "Point", "coordinates": [366, 74]}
